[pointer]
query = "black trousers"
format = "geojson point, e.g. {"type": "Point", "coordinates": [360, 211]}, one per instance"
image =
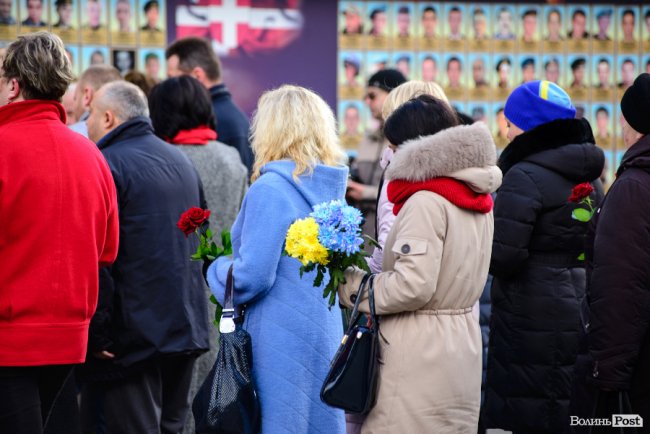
{"type": "Point", "coordinates": [27, 396]}
{"type": "Point", "coordinates": [152, 401]}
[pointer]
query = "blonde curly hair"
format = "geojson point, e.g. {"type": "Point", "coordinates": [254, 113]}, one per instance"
{"type": "Point", "coordinates": [409, 90]}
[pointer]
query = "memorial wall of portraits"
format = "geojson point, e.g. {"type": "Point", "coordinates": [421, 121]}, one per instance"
{"type": "Point", "coordinates": [129, 34]}
{"type": "Point", "coordinates": [478, 52]}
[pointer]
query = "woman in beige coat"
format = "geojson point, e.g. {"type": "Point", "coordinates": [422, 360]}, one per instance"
{"type": "Point", "coordinates": [435, 263]}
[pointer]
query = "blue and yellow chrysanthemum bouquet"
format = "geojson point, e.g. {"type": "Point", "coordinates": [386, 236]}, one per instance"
{"type": "Point", "coordinates": [329, 240]}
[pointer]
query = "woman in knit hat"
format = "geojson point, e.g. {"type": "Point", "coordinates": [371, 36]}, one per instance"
{"type": "Point", "coordinates": [612, 374]}
{"type": "Point", "coordinates": [539, 280]}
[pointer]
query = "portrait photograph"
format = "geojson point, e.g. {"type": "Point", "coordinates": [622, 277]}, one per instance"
{"type": "Point", "coordinates": [480, 75]}
{"type": "Point", "coordinates": [93, 22]}
{"type": "Point", "coordinates": [626, 72]}
{"type": "Point", "coordinates": [429, 28]}
{"type": "Point", "coordinates": [455, 77]}
{"type": "Point", "coordinates": [65, 19]}
{"type": "Point", "coordinates": [94, 55]}
{"type": "Point", "coordinates": [152, 24]}
{"type": "Point", "coordinates": [553, 32]}
{"type": "Point", "coordinates": [34, 15]}
{"type": "Point", "coordinates": [351, 25]}
{"type": "Point", "coordinates": [646, 63]}
{"type": "Point", "coordinates": [429, 65]}
{"type": "Point", "coordinates": [72, 51]}
{"type": "Point", "coordinates": [628, 29]}
{"type": "Point", "coordinates": [375, 61]}
{"type": "Point", "coordinates": [351, 115]}
{"type": "Point", "coordinates": [123, 22]}
{"type": "Point", "coordinates": [503, 74]}
{"type": "Point", "coordinates": [529, 19]}
{"type": "Point", "coordinates": [602, 122]}
{"type": "Point", "coordinates": [579, 28]}
{"type": "Point", "coordinates": [504, 27]}
{"type": "Point", "coordinates": [602, 77]}
{"type": "Point", "coordinates": [152, 62]}
{"type": "Point", "coordinates": [403, 30]}
{"type": "Point", "coordinates": [645, 28]}
{"type": "Point", "coordinates": [553, 68]}
{"type": "Point", "coordinates": [479, 111]}
{"type": "Point", "coordinates": [455, 26]}
{"type": "Point", "coordinates": [379, 19]}
{"type": "Point", "coordinates": [479, 36]}
{"type": "Point", "coordinates": [403, 62]}
{"type": "Point", "coordinates": [351, 75]}
{"type": "Point", "coordinates": [528, 68]}
{"type": "Point", "coordinates": [499, 126]}
{"type": "Point", "coordinates": [604, 25]}
{"type": "Point", "coordinates": [8, 19]}
{"type": "Point", "coordinates": [123, 60]}
{"type": "Point", "coordinates": [577, 76]}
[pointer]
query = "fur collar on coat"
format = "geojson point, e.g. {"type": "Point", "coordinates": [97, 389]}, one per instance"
{"type": "Point", "coordinates": [466, 153]}
{"type": "Point", "coordinates": [547, 136]}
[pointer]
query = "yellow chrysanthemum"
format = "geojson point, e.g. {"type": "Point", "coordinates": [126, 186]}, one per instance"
{"type": "Point", "coordinates": [302, 242]}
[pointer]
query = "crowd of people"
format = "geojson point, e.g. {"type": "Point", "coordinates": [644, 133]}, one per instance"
{"type": "Point", "coordinates": [512, 290]}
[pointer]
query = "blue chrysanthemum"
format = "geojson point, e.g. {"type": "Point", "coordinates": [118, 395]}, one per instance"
{"type": "Point", "coordinates": [339, 226]}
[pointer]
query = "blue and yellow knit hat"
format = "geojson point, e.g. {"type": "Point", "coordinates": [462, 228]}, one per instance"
{"type": "Point", "coordinates": [536, 103]}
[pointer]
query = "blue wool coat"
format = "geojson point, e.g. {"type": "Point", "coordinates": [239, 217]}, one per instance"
{"type": "Point", "coordinates": [294, 333]}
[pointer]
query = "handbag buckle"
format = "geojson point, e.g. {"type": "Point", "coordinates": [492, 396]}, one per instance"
{"type": "Point", "coordinates": [227, 323]}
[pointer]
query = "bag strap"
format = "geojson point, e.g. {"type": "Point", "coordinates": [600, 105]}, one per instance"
{"type": "Point", "coordinates": [227, 323]}
{"type": "Point", "coordinates": [371, 301]}
{"type": "Point", "coordinates": [355, 310]}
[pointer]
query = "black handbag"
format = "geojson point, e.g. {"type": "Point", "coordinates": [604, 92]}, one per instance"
{"type": "Point", "coordinates": [227, 402]}
{"type": "Point", "coordinates": [351, 383]}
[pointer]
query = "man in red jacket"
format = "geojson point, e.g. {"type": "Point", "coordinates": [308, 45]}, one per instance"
{"type": "Point", "coordinates": [58, 225]}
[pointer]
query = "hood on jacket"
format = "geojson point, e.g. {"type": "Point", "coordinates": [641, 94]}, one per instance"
{"type": "Point", "coordinates": [638, 156]}
{"type": "Point", "coordinates": [565, 146]}
{"type": "Point", "coordinates": [466, 153]}
{"type": "Point", "coordinates": [324, 183]}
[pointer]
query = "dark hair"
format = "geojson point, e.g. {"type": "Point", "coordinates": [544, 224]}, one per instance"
{"type": "Point", "coordinates": [528, 61]}
{"type": "Point", "coordinates": [421, 116]}
{"type": "Point", "coordinates": [628, 60]}
{"type": "Point", "coordinates": [500, 62]}
{"type": "Point", "coordinates": [479, 11]}
{"type": "Point", "coordinates": [578, 12]}
{"type": "Point", "coordinates": [454, 59]}
{"type": "Point", "coordinates": [429, 57]}
{"type": "Point", "coordinates": [603, 60]}
{"type": "Point", "coordinates": [580, 61]}
{"type": "Point", "coordinates": [193, 52]}
{"type": "Point", "coordinates": [647, 14]}
{"type": "Point", "coordinates": [151, 56]}
{"type": "Point", "coordinates": [142, 81]}
{"type": "Point", "coordinates": [429, 9]}
{"type": "Point", "coordinates": [529, 12]}
{"type": "Point", "coordinates": [554, 11]}
{"type": "Point", "coordinates": [499, 110]}
{"type": "Point", "coordinates": [403, 10]}
{"type": "Point", "coordinates": [151, 3]}
{"type": "Point", "coordinates": [374, 13]}
{"type": "Point", "coordinates": [551, 60]}
{"type": "Point", "coordinates": [463, 118]}
{"type": "Point", "coordinates": [602, 109]}
{"type": "Point", "coordinates": [179, 103]}
{"type": "Point", "coordinates": [454, 9]}
{"type": "Point", "coordinates": [628, 12]}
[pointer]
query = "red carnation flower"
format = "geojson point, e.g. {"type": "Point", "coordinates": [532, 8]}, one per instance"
{"type": "Point", "coordinates": [580, 192]}
{"type": "Point", "coordinates": [192, 219]}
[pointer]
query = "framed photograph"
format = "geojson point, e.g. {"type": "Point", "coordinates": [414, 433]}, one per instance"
{"type": "Point", "coordinates": [579, 29]}
{"type": "Point", "coordinates": [645, 33]}
{"type": "Point", "coordinates": [529, 29]}
{"type": "Point", "coordinates": [376, 61]}
{"type": "Point", "coordinates": [429, 64]}
{"type": "Point", "coordinates": [73, 51]}
{"type": "Point", "coordinates": [94, 55]}
{"type": "Point", "coordinates": [455, 78]}
{"type": "Point", "coordinates": [553, 68]}
{"type": "Point", "coordinates": [578, 79]}
{"type": "Point", "coordinates": [480, 71]}
{"type": "Point", "coordinates": [481, 22]}
{"type": "Point", "coordinates": [627, 70]}
{"type": "Point", "coordinates": [153, 27]}
{"type": "Point", "coordinates": [123, 22]}
{"type": "Point", "coordinates": [34, 15]}
{"type": "Point", "coordinates": [646, 64]}
{"type": "Point", "coordinates": [554, 32]}
{"type": "Point", "coordinates": [504, 79]}
{"type": "Point", "coordinates": [404, 63]}
{"type": "Point", "coordinates": [404, 28]}
{"type": "Point", "coordinates": [602, 121]}
{"type": "Point", "coordinates": [429, 29]}
{"type": "Point", "coordinates": [352, 116]}
{"type": "Point", "coordinates": [528, 67]}
{"type": "Point", "coordinates": [504, 27]}
{"type": "Point", "coordinates": [65, 19]}
{"type": "Point", "coordinates": [8, 19]}
{"type": "Point", "coordinates": [351, 75]}
{"type": "Point", "coordinates": [351, 25]}
{"type": "Point", "coordinates": [379, 15]}
{"type": "Point", "coordinates": [152, 62]}
{"type": "Point", "coordinates": [500, 126]}
{"type": "Point", "coordinates": [602, 76]}
{"type": "Point", "coordinates": [124, 60]}
{"type": "Point", "coordinates": [93, 22]}
{"type": "Point", "coordinates": [455, 28]}
{"type": "Point", "coordinates": [479, 111]}
{"type": "Point", "coordinates": [604, 24]}
{"type": "Point", "coordinates": [628, 29]}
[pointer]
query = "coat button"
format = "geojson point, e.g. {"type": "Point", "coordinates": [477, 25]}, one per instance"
{"type": "Point", "coordinates": [406, 248]}
{"type": "Point", "coordinates": [353, 298]}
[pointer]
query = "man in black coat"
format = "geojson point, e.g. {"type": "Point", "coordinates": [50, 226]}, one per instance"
{"type": "Point", "coordinates": [613, 376]}
{"type": "Point", "coordinates": [151, 321]}
{"type": "Point", "coordinates": [195, 57]}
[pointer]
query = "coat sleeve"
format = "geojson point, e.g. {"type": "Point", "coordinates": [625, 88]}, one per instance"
{"type": "Point", "coordinates": [109, 250]}
{"type": "Point", "coordinates": [619, 291]}
{"type": "Point", "coordinates": [99, 332]}
{"type": "Point", "coordinates": [516, 208]}
{"type": "Point", "coordinates": [385, 220]}
{"type": "Point", "coordinates": [412, 282]}
{"type": "Point", "coordinates": [263, 231]}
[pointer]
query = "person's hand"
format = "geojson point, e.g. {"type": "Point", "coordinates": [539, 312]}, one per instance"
{"type": "Point", "coordinates": [104, 355]}
{"type": "Point", "coordinates": [355, 190]}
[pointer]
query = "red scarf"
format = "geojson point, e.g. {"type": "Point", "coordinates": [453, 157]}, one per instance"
{"type": "Point", "coordinates": [196, 136]}
{"type": "Point", "coordinates": [456, 192]}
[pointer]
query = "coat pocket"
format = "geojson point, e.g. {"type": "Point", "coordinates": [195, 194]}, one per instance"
{"type": "Point", "coordinates": [409, 247]}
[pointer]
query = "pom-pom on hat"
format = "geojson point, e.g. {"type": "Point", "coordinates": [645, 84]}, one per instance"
{"type": "Point", "coordinates": [536, 103]}
{"type": "Point", "coordinates": [635, 104]}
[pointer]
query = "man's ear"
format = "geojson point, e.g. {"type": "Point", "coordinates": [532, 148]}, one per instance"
{"type": "Point", "coordinates": [88, 94]}
{"type": "Point", "coordinates": [200, 75]}
{"type": "Point", "coordinates": [14, 90]}
{"type": "Point", "coordinates": [109, 121]}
